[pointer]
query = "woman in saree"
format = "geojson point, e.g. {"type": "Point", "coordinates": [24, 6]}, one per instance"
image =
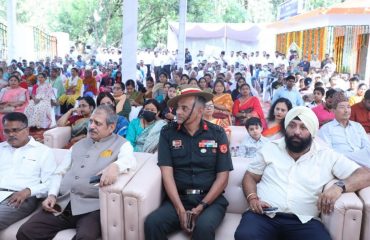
{"type": "Point", "coordinates": [208, 116]}
{"type": "Point", "coordinates": [12, 99]}
{"type": "Point", "coordinates": [89, 81]}
{"type": "Point", "coordinates": [123, 106]}
{"type": "Point", "coordinates": [159, 92]}
{"type": "Point", "coordinates": [147, 92]}
{"type": "Point", "coordinates": [143, 132]}
{"type": "Point", "coordinates": [131, 92]}
{"type": "Point", "coordinates": [73, 88]}
{"type": "Point", "coordinates": [38, 110]}
{"type": "Point", "coordinates": [223, 103]}
{"type": "Point", "coordinates": [275, 124]}
{"type": "Point", "coordinates": [202, 83]}
{"type": "Point", "coordinates": [78, 119]}
{"type": "Point", "coordinates": [247, 106]}
{"type": "Point", "coordinates": [235, 94]}
{"type": "Point", "coordinates": [361, 89]}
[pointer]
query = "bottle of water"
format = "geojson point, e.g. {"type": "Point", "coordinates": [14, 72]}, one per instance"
{"type": "Point", "coordinates": [232, 152]}
{"type": "Point", "coordinates": [241, 151]}
{"type": "Point", "coordinates": [237, 151]}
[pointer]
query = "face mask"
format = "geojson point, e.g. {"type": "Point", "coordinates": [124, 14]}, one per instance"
{"type": "Point", "coordinates": [148, 116]}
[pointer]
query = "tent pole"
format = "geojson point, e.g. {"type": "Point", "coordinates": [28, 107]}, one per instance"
{"type": "Point", "coordinates": [182, 34]}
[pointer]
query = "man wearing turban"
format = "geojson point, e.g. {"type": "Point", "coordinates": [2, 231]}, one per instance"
{"type": "Point", "coordinates": [288, 176]}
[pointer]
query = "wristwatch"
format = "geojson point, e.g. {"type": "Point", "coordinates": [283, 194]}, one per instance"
{"type": "Point", "coordinates": [204, 204]}
{"type": "Point", "coordinates": [342, 185]}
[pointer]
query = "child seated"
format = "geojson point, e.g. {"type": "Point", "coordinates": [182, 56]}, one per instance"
{"type": "Point", "coordinates": [254, 140]}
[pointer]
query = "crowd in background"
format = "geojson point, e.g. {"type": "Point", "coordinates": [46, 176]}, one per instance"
{"type": "Point", "coordinates": [256, 85]}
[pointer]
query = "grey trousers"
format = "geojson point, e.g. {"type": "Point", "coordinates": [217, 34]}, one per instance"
{"type": "Point", "coordinates": [10, 215]}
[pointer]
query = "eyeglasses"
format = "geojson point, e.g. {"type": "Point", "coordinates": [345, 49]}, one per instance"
{"type": "Point", "coordinates": [13, 130]}
{"type": "Point", "coordinates": [209, 106]}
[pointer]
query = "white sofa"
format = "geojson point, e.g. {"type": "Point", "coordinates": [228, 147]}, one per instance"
{"type": "Point", "coordinates": [111, 205]}
{"type": "Point", "coordinates": [144, 193]}
{"type": "Point", "coordinates": [57, 137]}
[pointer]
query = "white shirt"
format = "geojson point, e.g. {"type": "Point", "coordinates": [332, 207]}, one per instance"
{"type": "Point", "coordinates": [294, 186]}
{"type": "Point", "coordinates": [126, 161]}
{"type": "Point", "coordinates": [251, 146]}
{"type": "Point", "coordinates": [157, 61]}
{"type": "Point", "coordinates": [352, 141]}
{"type": "Point", "coordinates": [30, 166]}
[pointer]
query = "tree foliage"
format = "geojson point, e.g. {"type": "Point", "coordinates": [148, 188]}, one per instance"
{"type": "Point", "coordinates": [99, 22]}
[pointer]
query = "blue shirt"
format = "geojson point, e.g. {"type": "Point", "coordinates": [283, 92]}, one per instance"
{"type": "Point", "coordinates": [121, 127]}
{"type": "Point", "coordinates": [293, 95]}
{"type": "Point", "coordinates": [351, 140]}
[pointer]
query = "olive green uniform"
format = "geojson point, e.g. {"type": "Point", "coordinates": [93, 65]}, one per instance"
{"type": "Point", "coordinates": [195, 160]}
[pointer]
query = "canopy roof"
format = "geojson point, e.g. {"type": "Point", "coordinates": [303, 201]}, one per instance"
{"type": "Point", "coordinates": [351, 12]}
{"type": "Point", "coordinates": [243, 32]}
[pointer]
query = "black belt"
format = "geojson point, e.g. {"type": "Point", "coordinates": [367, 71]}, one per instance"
{"type": "Point", "coordinates": [7, 190]}
{"type": "Point", "coordinates": [192, 192]}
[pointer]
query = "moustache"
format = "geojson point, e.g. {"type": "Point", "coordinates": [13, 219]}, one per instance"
{"type": "Point", "coordinates": [12, 138]}
{"type": "Point", "coordinates": [92, 130]}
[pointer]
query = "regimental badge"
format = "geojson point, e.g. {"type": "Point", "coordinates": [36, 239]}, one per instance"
{"type": "Point", "coordinates": [106, 153]}
{"type": "Point", "coordinates": [223, 148]}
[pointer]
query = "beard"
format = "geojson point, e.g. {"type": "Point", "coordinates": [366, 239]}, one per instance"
{"type": "Point", "coordinates": [296, 144]}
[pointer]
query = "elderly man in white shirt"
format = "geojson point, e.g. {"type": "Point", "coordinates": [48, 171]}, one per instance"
{"type": "Point", "coordinates": [73, 199]}
{"type": "Point", "coordinates": [345, 136]}
{"type": "Point", "coordinates": [289, 175]}
{"type": "Point", "coordinates": [25, 170]}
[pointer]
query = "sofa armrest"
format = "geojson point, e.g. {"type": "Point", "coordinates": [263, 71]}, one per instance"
{"type": "Point", "coordinates": [345, 221]}
{"type": "Point", "coordinates": [57, 137]}
{"type": "Point", "coordinates": [364, 195]}
{"type": "Point", "coordinates": [111, 201]}
{"type": "Point", "coordinates": [142, 196]}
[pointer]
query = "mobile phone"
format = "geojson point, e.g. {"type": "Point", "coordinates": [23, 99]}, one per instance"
{"type": "Point", "coordinates": [95, 179]}
{"type": "Point", "coordinates": [57, 208]}
{"type": "Point", "coordinates": [270, 210]}
{"type": "Point", "coordinates": [189, 221]}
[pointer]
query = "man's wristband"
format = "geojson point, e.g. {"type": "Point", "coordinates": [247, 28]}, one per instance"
{"type": "Point", "coordinates": [204, 204]}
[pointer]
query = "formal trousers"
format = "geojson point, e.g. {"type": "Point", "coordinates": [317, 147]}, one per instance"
{"type": "Point", "coordinates": [10, 214]}
{"type": "Point", "coordinates": [283, 226]}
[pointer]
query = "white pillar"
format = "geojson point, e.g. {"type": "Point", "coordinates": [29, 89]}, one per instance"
{"type": "Point", "coordinates": [182, 34]}
{"type": "Point", "coordinates": [11, 28]}
{"type": "Point", "coordinates": [129, 39]}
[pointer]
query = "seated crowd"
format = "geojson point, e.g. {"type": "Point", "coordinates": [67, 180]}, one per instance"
{"type": "Point", "coordinates": [186, 117]}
